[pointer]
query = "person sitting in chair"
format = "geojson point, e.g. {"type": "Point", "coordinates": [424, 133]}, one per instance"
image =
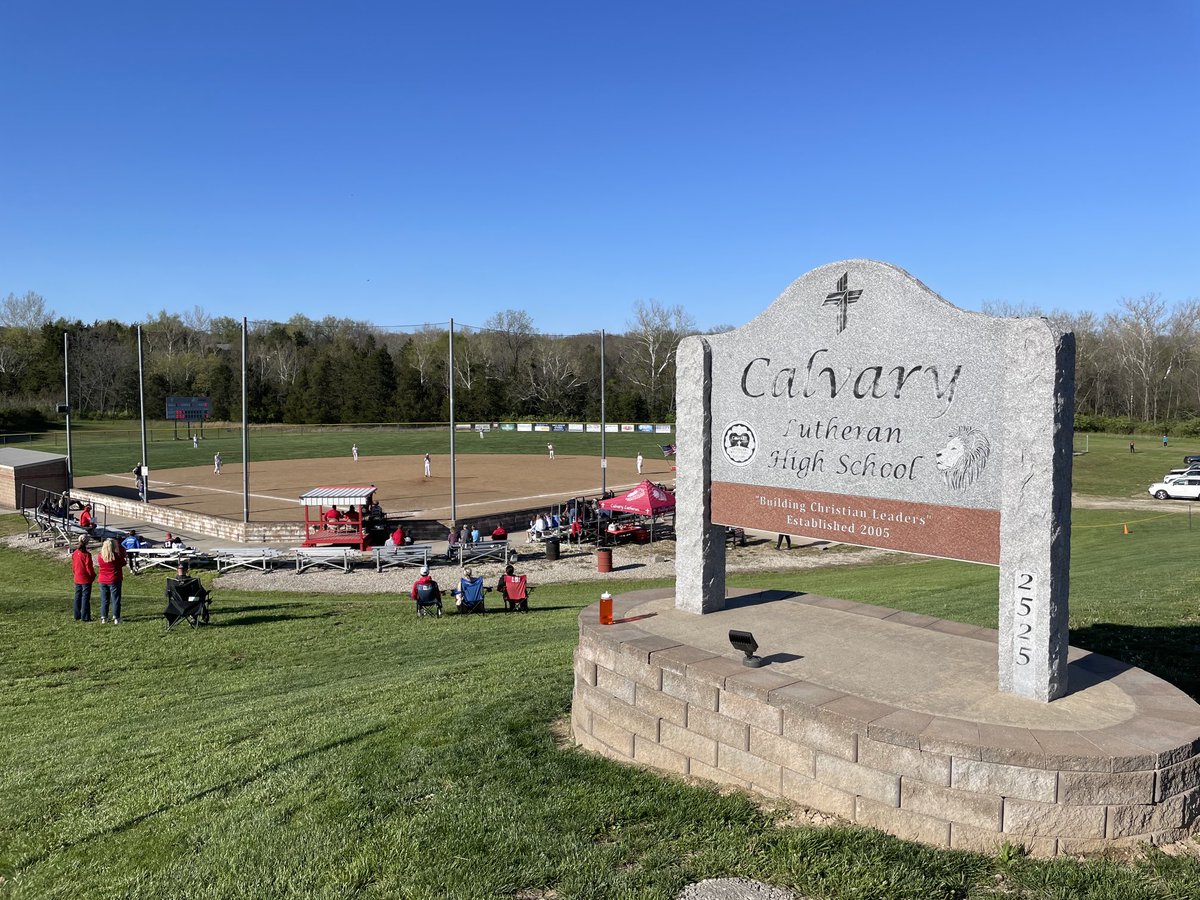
{"type": "Point", "coordinates": [187, 597]}
{"type": "Point", "coordinates": [498, 533]}
{"type": "Point", "coordinates": [425, 591]}
{"type": "Point", "coordinates": [513, 591]}
{"type": "Point", "coordinates": [468, 597]}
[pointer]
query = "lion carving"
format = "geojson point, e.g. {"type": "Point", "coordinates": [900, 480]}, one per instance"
{"type": "Point", "coordinates": [964, 457]}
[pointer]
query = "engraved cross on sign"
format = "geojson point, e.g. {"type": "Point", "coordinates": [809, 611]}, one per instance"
{"type": "Point", "coordinates": [843, 298]}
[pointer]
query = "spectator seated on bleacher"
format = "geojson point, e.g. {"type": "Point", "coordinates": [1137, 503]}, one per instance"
{"type": "Point", "coordinates": [174, 542]}
{"type": "Point", "coordinates": [498, 533]}
{"type": "Point", "coordinates": [536, 528]}
{"type": "Point", "coordinates": [85, 518]}
{"type": "Point", "coordinates": [398, 538]}
{"type": "Point", "coordinates": [333, 518]}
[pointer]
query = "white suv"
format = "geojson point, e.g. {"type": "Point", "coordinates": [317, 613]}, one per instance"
{"type": "Point", "coordinates": [1187, 488]}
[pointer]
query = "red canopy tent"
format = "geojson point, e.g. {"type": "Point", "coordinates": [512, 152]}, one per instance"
{"type": "Point", "coordinates": [647, 499]}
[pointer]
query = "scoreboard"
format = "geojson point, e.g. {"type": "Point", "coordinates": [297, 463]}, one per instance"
{"type": "Point", "coordinates": [188, 409]}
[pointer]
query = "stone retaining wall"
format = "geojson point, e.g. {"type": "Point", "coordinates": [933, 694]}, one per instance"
{"type": "Point", "coordinates": [196, 523]}
{"type": "Point", "coordinates": [646, 699]}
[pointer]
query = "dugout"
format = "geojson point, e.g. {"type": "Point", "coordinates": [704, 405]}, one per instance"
{"type": "Point", "coordinates": [31, 468]}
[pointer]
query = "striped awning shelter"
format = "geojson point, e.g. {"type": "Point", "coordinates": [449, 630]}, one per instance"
{"type": "Point", "coordinates": [338, 496]}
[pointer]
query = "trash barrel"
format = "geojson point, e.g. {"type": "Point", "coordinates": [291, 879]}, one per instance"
{"type": "Point", "coordinates": [551, 548]}
{"type": "Point", "coordinates": [604, 559]}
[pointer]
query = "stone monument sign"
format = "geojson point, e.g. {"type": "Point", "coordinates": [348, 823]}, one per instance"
{"type": "Point", "coordinates": [863, 408]}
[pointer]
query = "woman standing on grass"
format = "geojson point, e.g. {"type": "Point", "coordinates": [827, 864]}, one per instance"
{"type": "Point", "coordinates": [112, 561]}
{"type": "Point", "coordinates": [85, 574]}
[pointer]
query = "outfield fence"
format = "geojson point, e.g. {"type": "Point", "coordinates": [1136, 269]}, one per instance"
{"type": "Point", "coordinates": [167, 431]}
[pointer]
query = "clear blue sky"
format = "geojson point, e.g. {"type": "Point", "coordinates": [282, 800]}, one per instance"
{"type": "Point", "coordinates": [403, 162]}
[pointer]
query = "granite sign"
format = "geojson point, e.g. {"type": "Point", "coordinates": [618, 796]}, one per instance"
{"type": "Point", "coordinates": [863, 408]}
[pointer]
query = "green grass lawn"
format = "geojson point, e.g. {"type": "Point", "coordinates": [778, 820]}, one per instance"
{"type": "Point", "coordinates": [337, 746]}
{"type": "Point", "coordinates": [100, 450]}
{"type": "Point", "coordinates": [1108, 469]}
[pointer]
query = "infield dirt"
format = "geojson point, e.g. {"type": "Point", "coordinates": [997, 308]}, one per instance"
{"type": "Point", "coordinates": [484, 484]}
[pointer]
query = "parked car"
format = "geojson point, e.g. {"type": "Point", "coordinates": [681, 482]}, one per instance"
{"type": "Point", "coordinates": [1184, 489]}
{"type": "Point", "coordinates": [1188, 460]}
{"type": "Point", "coordinates": [1176, 474]}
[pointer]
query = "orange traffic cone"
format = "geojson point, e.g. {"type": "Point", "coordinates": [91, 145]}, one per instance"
{"type": "Point", "coordinates": [1127, 529]}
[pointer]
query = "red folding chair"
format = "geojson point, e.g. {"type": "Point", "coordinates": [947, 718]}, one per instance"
{"type": "Point", "coordinates": [516, 593]}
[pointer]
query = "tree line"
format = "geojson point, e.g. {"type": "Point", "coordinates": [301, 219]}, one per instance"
{"type": "Point", "coordinates": [336, 370]}
{"type": "Point", "coordinates": [1137, 367]}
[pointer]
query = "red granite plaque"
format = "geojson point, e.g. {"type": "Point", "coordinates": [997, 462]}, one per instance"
{"type": "Point", "coordinates": [951, 532]}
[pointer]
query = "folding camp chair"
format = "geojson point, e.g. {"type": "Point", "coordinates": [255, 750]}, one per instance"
{"type": "Point", "coordinates": [516, 593]}
{"type": "Point", "coordinates": [429, 600]}
{"type": "Point", "coordinates": [186, 599]}
{"type": "Point", "coordinates": [469, 595]}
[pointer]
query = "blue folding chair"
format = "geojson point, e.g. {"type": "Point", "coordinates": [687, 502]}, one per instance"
{"type": "Point", "coordinates": [469, 596]}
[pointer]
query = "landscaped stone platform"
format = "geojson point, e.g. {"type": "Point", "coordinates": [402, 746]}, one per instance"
{"type": "Point", "coordinates": [889, 719]}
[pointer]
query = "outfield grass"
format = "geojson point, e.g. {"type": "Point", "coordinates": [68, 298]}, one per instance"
{"type": "Point", "coordinates": [336, 746]}
{"type": "Point", "coordinates": [1108, 469]}
{"type": "Point", "coordinates": [99, 451]}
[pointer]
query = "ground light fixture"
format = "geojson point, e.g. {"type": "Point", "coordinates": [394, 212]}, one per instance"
{"type": "Point", "coordinates": [744, 641]}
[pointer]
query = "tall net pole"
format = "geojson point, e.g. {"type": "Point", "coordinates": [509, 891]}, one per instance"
{"type": "Point", "coordinates": [143, 480]}
{"type": "Point", "coordinates": [603, 423]}
{"type": "Point", "coordinates": [67, 404]}
{"type": "Point", "coordinates": [245, 427]}
{"type": "Point", "coordinates": [453, 494]}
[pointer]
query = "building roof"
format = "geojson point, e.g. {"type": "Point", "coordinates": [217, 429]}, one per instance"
{"type": "Point", "coordinates": [337, 496]}
{"type": "Point", "coordinates": [14, 458]}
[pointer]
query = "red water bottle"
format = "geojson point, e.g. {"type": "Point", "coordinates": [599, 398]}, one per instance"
{"type": "Point", "coordinates": [606, 617]}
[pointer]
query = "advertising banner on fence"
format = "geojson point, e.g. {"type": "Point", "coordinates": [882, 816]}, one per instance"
{"type": "Point", "coordinates": [558, 426]}
{"type": "Point", "coordinates": [593, 427]}
{"type": "Point", "coordinates": [626, 428]}
{"type": "Point", "coordinates": [524, 426]}
{"type": "Point", "coordinates": [662, 429]}
{"type": "Point", "coordinates": [575, 426]}
{"type": "Point", "coordinates": [508, 426]}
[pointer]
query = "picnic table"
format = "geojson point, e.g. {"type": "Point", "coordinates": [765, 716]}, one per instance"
{"type": "Point", "coordinates": [407, 555]}
{"type": "Point", "coordinates": [245, 557]}
{"type": "Point", "coordinates": [324, 557]}
{"type": "Point", "coordinates": [625, 531]}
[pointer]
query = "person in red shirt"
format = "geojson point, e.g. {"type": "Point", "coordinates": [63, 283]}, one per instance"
{"type": "Point", "coordinates": [499, 534]}
{"type": "Point", "coordinates": [430, 593]}
{"type": "Point", "coordinates": [85, 574]}
{"type": "Point", "coordinates": [85, 518]}
{"type": "Point", "coordinates": [398, 536]}
{"type": "Point", "coordinates": [112, 561]}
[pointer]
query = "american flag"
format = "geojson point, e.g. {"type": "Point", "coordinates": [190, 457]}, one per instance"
{"type": "Point", "coordinates": [668, 449]}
